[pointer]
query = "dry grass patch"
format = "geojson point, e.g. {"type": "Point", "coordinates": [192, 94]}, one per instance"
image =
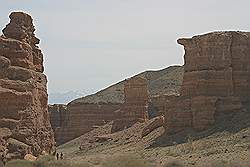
{"type": "Point", "coordinates": [126, 161]}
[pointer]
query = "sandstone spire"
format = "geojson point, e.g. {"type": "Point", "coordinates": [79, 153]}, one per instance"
{"type": "Point", "coordinates": [24, 115]}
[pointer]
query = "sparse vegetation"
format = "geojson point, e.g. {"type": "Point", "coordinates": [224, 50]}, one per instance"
{"type": "Point", "coordinates": [126, 161]}
{"type": "Point", "coordinates": [222, 163]}
{"type": "Point", "coordinates": [19, 163]}
{"type": "Point", "coordinates": [120, 161]}
{"type": "Point", "coordinates": [173, 163]}
{"type": "Point", "coordinates": [45, 161]}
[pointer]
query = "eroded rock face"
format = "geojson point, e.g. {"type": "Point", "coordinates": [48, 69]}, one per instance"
{"type": "Point", "coordinates": [161, 102]}
{"type": "Point", "coordinates": [216, 79]}
{"type": "Point", "coordinates": [23, 90]}
{"type": "Point", "coordinates": [58, 115]}
{"type": "Point", "coordinates": [135, 107]}
{"type": "Point", "coordinates": [84, 117]}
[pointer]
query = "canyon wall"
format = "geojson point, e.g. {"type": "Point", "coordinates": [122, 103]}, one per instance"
{"type": "Point", "coordinates": [84, 117]}
{"type": "Point", "coordinates": [24, 119]}
{"type": "Point", "coordinates": [161, 102]}
{"type": "Point", "coordinates": [135, 107]}
{"type": "Point", "coordinates": [216, 79]}
{"type": "Point", "coordinates": [58, 115]}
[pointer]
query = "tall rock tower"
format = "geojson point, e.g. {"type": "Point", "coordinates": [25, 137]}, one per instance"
{"type": "Point", "coordinates": [216, 79]}
{"type": "Point", "coordinates": [24, 119]}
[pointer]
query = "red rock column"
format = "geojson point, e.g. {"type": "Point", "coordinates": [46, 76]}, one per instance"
{"type": "Point", "coordinates": [23, 90]}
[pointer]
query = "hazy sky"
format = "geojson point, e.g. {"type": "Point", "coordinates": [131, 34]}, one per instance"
{"type": "Point", "coordinates": [90, 44]}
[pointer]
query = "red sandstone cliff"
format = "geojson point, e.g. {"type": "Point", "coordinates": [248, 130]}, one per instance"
{"type": "Point", "coordinates": [216, 79]}
{"type": "Point", "coordinates": [24, 119]}
{"type": "Point", "coordinates": [104, 103]}
{"type": "Point", "coordinates": [84, 117]}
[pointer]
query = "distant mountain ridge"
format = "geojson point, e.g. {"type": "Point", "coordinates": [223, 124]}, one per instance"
{"type": "Point", "coordinates": [65, 97]}
{"type": "Point", "coordinates": [165, 81]}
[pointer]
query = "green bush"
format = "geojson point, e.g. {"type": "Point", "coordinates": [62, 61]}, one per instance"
{"type": "Point", "coordinates": [19, 163]}
{"type": "Point", "coordinates": [126, 161]}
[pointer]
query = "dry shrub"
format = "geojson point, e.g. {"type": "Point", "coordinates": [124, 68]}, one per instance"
{"type": "Point", "coordinates": [126, 161]}
{"type": "Point", "coordinates": [19, 163]}
{"type": "Point", "coordinates": [221, 163]}
{"type": "Point", "coordinates": [45, 161]}
{"type": "Point", "coordinates": [174, 163]}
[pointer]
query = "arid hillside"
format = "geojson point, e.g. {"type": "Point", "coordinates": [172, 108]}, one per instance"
{"type": "Point", "coordinates": [166, 81]}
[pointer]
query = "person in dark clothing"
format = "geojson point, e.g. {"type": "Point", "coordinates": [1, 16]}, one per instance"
{"type": "Point", "coordinates": [3, 160]}
{"type": "Point", "coordinates": [61, 156]}
{"type": "Point", "coordinates": [57, 156]}
{"type": "Point", "coordinates": [1, 163]}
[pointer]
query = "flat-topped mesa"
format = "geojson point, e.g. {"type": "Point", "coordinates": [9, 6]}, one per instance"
{"type": "Point", "coordinates": [135, 107]}
{"type": "Point", "coordinates": [216, 79]}
{"type": "Point", "coordinates": [23, 91]}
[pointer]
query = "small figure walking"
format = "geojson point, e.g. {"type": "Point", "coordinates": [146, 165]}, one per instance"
{"type": "Point", "coordinates": [57, 156]}
{"type": "Point", "coordinates": [61, 156]}
{"type": "Point", "coordinates": [1, 161]}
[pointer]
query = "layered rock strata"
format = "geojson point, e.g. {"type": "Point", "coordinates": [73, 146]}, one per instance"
{"type": "Point", "coordinates": [135, 107]}
{"type": "Point", "coordinates": [24, 118]}
{"type": "Point", "coordinates": [216, 79]}
{"type": "Point", "coordinates": [161, 102]}
{"type": "Point", "coordinates": [58, 115]}
{"type": "Point", "coordinates": [84, 117]}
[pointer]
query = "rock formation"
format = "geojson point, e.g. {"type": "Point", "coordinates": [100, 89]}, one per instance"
{"type": "Point", "coordinates": [135, 107]}
{"type": "Point", "coordinates": [216, 79]}
{"type": "Point", "coordinates": [84, 117]}
{"type": "Point", "coordinates": [154, 124]}
{"type": "Point", "coordinates": [161, 102]}
{"type": "Point", "coordinates": [24, 119]}
{"type": "Point", "coordinates": [162, 82]}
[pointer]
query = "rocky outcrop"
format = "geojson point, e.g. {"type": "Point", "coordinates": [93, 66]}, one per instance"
{"type": "Point", "coordinates": [216, 79]}
{"type": "Point", "coordinates": [24, 114]}
{"type": "Point", "coordinates": [162, 82]}
{"type": "Point", "coordinates": [84, 117]}
{"type": "Point", "coordinates": [156, 123]}
{"type": "Point", "coordinates": [135, 107]}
